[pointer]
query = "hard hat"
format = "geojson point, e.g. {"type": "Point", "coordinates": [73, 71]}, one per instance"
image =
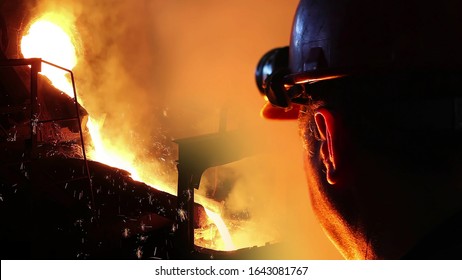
{"type": "Point", "coordinates": [337, 38]}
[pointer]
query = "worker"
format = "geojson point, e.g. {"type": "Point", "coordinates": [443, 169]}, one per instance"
{"type": "Point", "coordinates": [375, 86]}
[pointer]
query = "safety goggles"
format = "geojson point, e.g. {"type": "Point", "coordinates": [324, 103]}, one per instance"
{"type": "Point", "coordinates": [283, 88]}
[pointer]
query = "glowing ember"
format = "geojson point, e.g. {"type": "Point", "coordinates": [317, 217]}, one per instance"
{"type": "Point", "coordinates": [48, 41]}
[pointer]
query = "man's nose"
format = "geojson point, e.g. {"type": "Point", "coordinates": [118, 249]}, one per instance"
{"type": "Point", "coordinates": [275, 113]}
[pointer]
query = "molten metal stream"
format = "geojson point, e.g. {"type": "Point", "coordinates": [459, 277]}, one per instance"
{"type": "Point", "coordinates": [222, 228]}
{"type": "Point", "coordinates": [49, 41]}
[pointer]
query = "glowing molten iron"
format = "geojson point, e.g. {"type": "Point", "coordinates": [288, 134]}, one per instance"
{"type": "Point", "coordinates": [48, 40]}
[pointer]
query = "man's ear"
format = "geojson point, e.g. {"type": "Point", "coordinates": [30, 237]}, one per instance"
{"type": "Point", "coordinates": [326, 125]}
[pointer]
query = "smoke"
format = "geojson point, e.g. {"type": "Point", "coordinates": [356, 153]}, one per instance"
{"type": "Point", "coordinates": [154, 71]}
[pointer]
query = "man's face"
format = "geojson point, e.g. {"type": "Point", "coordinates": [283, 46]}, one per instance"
{"type": "Point", "coordinates": [336, 206]}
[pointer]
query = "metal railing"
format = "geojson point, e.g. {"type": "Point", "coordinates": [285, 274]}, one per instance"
{"type": "Point", "coordinates": [35, 67]}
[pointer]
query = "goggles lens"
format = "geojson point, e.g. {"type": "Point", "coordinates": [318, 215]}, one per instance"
{"type": "Point", "coordinates": [274, 80]}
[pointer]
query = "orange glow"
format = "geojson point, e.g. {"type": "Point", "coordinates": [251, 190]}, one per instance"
{"type": "Point", "coordinates": [312, 78]}
{"type": "Point", "coordinates": [109, 154]}
{"type": "Point", "coordinates": [47, 40]}
{"type": "Point", "coordinates": [222, 229]}
{"type": "Point", "coordinates": [134, 57]}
